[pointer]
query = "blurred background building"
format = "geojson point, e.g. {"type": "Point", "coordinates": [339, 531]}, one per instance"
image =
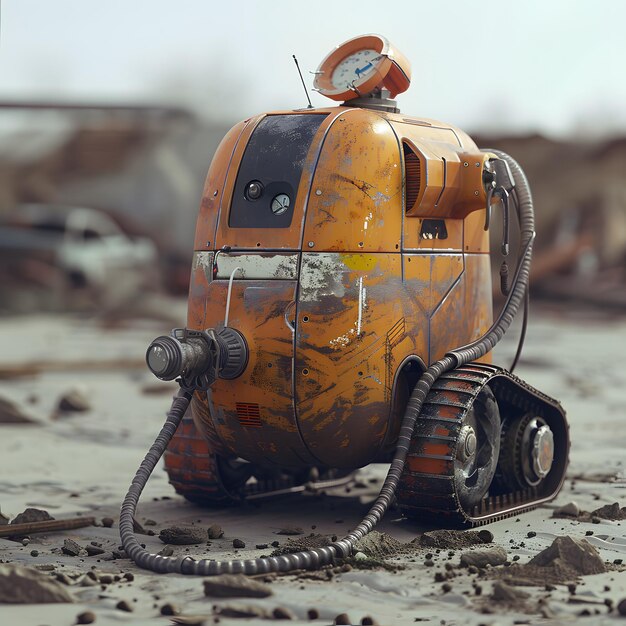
{"type": "Point", "coordinates": [110, 113]}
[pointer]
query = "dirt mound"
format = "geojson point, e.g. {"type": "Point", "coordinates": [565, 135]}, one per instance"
{"type": "Point", "coordinates": [303, 543]}
{"type": "Point", "coordinates": [379, 545]}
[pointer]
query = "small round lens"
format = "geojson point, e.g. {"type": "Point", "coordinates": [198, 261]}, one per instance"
{"type": "Point", "coordinates": [254, 190]}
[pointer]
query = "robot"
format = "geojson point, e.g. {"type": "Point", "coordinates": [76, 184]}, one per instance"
{"type": "Point", "coordinates": [340, 314]}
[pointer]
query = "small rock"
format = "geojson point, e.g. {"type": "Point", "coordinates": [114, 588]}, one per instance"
{"type": "Point", "coordinates": [506, 594]}
{"type": "Point", "coordinates": [235, 586]}
{"type": "Point", "coordinates": [166, 551]}
{"type": "Point", "coordinates": [122, 605]}
{"type": "Point", "coordinates": [94, 550]}
{"type": "Point", "coordinates": [361, 556]}
{"type": "Point", "coordinates": [71, 548]}
{"type": "Point", "coordinates": [11, 413]}
{"type": "Point", "coordinates": [280, 612]}
{"type": "Point", "coordinates": [531, 533]}
{"type": "Point", "coordinates": [571, 551]}
{"type": "Point", "coordinates": [86, 617]}
{"type": "Point", "coordinates": [32, 515]}
{"type": "Point", "coordinates": [481, 558]}
{"type": "Point", "coordinates": [610, 511]}
{"type": "Point", "coordinates": [169, 609]}
{"type": "Point", "coordinates": [74, 400]}
{"type": "Point", "coordinates": [105, 579]}
{"type": "Point", "coordinates": [237, 543]}
{"type": "Point", "coordinates": [149, 522]}
{"type": "Point", "coordinates": [290, 530]}
{"type": "Point", "coordinates": [119, 554]}
{"type": "Point", "coordinates": [129, 576]}
{"type": "Point", "coordinates": [34, 552]}
{"type": "Point", "coordinates": [621, 607]}
{"type": "Point", "coordinates": [4, 520]}
{"type": "Point", "coordinates": [87, 581]}
{"type": "Point", "coordinates": [215, 531]}
{"type": "Point", "coordinates": [571, 509]}
{"type": "Point", "coordinates": [368, 621]}
{"type": "Point", "coordinates": [343, 619]}
{"type": "Point", "coordinates": [183, 535]}
{"type": "Point", "coordinates": [25, 585]}
{"type": "Point", "coordinates": [313, 614]}
{"type": "Point", "coordinates": [108, 522]}
{"type": "Point", "coordinates": [261, 546]}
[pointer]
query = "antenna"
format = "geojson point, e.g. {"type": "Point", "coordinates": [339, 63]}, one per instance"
{"type": "Point", "coordinates": [302, 79]}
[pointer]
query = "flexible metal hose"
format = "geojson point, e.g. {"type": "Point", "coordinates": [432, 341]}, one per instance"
{"type": "Point", "coordinates": [310, 559]}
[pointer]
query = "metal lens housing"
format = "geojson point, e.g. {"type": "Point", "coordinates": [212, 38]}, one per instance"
{"type": "Point", "coordinates": [165, 357]}
{"type": "Point", "coordinates": [254, 190]}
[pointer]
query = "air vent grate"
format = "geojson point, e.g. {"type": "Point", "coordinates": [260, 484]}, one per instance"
{"type": "Point", "coordinates": [249, 414]}
{"type": "Point", "coordinates": [413, 176]}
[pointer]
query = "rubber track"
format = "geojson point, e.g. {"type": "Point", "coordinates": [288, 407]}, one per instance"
{"type": "Point", "coordinates": [427, 487]}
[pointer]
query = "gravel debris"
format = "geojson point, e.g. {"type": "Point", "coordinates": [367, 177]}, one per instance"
{"type": "Point", "coordinates": [454, 538]}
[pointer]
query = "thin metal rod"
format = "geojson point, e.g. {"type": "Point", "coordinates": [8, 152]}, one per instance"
{"type": "Point", "coordinates": [306, 91]}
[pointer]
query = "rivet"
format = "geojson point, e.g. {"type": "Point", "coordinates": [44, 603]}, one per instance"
{"type": "Point", "coordinates": [318, 192]}
{"type": "Point", "coordinates": [475, 193]}
{"type": "Point", "coordinates": [311, 244]}
{"type": "Point", "coordinates": [477, 164]}
{"type": "Point", "coordinates": [360, 244]}
{"type": "Point", "coordinates": [305, 372]}
{"type": "Point", "coordinates": [215, 192]}
{"type": "Point", "coordinates": [465, 164]}
{"type": "Point", "coordinates": [208, 243]}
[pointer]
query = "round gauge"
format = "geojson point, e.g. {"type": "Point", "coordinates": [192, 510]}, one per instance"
{"type": "Point", "coordinates": [360, 66]}
{"type": "Point", "coordinates": [280, 203]}
{"type": "Point", "coordinates": [355, 67]}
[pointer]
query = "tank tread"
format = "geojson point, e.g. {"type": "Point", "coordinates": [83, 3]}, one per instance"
{"type": "Point", "coordinates": [427, 485]}
{"type": "Point", "coordinates": [194, 472]}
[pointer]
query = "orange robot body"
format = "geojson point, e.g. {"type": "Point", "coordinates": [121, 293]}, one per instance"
{"type": "Point", "coordinates": [351, 285]}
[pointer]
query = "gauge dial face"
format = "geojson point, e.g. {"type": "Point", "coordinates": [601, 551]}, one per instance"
{"type": "Point", "coordinates": [355, 68]}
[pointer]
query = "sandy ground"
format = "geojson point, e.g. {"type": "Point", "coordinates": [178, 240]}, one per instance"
{"type": "Point", "coordinates": [82, 465]}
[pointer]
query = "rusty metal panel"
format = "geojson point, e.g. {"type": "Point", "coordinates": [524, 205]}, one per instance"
{"type": "Point", "coordinates": [355, 202]}
{"type": "Point", "coordinates": [356, 322]}
{"type": "Point", "coordinates": [257, 310]}
{"type": "Point", "coordinates": [466, 313]}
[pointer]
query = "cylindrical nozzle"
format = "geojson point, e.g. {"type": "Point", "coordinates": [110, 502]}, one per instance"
{"type": "Point", "coordinates": [198, 357]}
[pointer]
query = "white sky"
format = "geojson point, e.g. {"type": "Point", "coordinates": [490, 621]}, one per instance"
{"type": "Point", "coordinates": [552, 66]}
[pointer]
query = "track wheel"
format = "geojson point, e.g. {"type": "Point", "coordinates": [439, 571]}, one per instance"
{"type": "Point", "coordinates": [527, 452]}
{"type": "Point", "coordinates": [477, 450]}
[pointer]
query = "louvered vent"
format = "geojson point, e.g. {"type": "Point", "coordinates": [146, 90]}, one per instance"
{"type": "Point", "coordinates": [249, 414]}
{"type": "Point", "coordinates": [412, 175]}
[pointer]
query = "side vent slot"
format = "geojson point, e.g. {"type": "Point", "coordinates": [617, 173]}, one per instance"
{"type": "Point", "coordinates": [249, 414]}
{"type": "Point", "coordinates": [413, 177]}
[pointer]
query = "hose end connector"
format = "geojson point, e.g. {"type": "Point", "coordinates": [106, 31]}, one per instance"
{"type": "Point", "coordinates": [198, 357]}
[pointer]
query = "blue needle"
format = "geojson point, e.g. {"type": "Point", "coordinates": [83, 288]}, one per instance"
{"type": "Point", "coordinates": [359, 70]}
